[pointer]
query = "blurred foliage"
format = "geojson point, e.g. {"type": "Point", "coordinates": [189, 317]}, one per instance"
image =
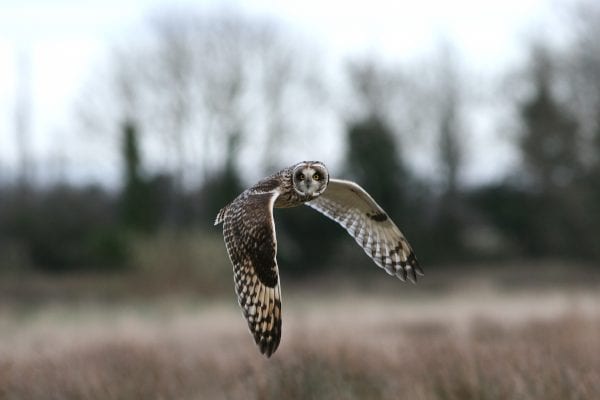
{"type": "Point", "coordinates": [374, 160]}
{"type": "Point", "coordinates": [64, 228]}
{"type": "Point", "coordinates": [172, 258]}
{"type": "Point", "coordinates": [221, 187]}
{"type": "Point", "coordinates": [550, 133]}
{"type": "Point", "coordinates": [556, 196]}
{"type": "Point", "coordinates": [307, 242]}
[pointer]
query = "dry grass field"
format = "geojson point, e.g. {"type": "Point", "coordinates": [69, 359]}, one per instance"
{"type": "Point", "coordinates": [474, 342]}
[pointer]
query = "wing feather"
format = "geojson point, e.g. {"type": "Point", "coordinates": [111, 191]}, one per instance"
{"type": "Point", "coordinates": [353, 208]}
{"type": "Point", "coordinates": [249, 232]}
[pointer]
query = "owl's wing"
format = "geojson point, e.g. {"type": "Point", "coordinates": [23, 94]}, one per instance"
{"type": "Point", "coordinates": [249, 231]}
{"type": "Point", "coordinates": [352, 207]}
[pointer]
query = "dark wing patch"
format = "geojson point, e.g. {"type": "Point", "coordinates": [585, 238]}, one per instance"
{"type": "Point", "coordinates": [249, 233]}
{"type": "Point", "coordinates": [252, 234]}
{"type": "Point", "coordinates": [378, 216]}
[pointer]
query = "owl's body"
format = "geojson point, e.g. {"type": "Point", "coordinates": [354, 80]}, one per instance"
{"type": "Point", "coordinates": [249, 232]}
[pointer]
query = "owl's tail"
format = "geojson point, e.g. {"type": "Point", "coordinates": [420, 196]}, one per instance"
{"type": "Point", "coordinates": [220, 216]}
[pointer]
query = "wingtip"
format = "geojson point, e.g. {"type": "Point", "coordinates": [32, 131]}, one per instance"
{"type": "Point", "coordinates": [267, 346]}
{"type": "Point", "coordinates": [419, 270]}
{"type": "Point", "coordinates": [412, 275]}
{"type": "Point", "coordinates": [415, 267]}
{"type": "Point", "coordinates": [401, 274]}
{"type": "Point", "coordinates": [268, 354]}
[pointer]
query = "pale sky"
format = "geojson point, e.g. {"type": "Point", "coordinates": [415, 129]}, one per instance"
{"type": "Point", "coordinates": [65, 41]}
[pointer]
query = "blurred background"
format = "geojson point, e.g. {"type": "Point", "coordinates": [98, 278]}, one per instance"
{"type": "Point", "coordinates": [126, 125]}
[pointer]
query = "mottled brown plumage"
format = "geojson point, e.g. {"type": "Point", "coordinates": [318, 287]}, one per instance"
{"type": "Point", "coordinates": [249, 232]}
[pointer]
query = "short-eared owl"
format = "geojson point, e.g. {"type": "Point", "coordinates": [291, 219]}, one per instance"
{"type": "Point", "coordinates": [249, 231]}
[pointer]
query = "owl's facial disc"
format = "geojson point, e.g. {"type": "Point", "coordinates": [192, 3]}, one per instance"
{"type": "Point", "coordinates": [310, 179]}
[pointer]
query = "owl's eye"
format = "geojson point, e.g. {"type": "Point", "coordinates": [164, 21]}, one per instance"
{"type": "Point", "coordinates": [316, 177]}
{"type": "Point", "coordinates": [301, 177]}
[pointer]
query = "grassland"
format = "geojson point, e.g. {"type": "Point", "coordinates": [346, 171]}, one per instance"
{"type": "Point", "coordinates": [476, 341]}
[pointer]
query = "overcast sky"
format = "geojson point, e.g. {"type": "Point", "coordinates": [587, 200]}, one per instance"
{"type": "Point", "coordinates": [64, 40]}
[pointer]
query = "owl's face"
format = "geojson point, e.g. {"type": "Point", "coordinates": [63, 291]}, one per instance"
{"type": "Point", "coordinates": [310, 179]}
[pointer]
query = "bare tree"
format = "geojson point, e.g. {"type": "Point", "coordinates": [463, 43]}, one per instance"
{"type": "Point", "coordinates": [171, 77]}
{"type": "Point", "coordinates": [564, 221]}
{"type": "Point", "coordinates": [113, 97]}
{"type": "Point", "coordinates": [423, 103]}
{"type": "Point", "coordinates": [376, 88]}
{"type": "Point", "coordinates": [443, 120]}
{"type": "Point", "coordinates": [204, 86]}
{"type": "Point", "coordinates": [451, 125]}
{"type": "Point", "coordinates": [254, 71]}
{"type": "Point", "coordinates": [384, 92]}
{"type": "Point", "coordinates": [222, 79]}
{"type": "Point", "coordinates": [549, 143]}
{"type": "Point", "coordinates": [443, 114]}
{"type": "Point", "coordinates": [285, 76]}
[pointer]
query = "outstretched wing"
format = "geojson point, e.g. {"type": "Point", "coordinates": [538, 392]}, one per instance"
{"type": "Point", "coordinates": [249, 232]}
{"type": "Point", "coordinates": [351, 206]}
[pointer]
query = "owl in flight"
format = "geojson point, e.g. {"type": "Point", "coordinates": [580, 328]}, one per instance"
{"type": "Point", "coordinates": [249, 232]}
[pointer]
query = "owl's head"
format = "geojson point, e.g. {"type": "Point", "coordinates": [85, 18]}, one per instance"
{"type": "Point", "coordinates": [310, 179]}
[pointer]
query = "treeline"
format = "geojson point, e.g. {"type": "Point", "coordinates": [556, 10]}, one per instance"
{"type": "Point", "coordinates": [212, 87]}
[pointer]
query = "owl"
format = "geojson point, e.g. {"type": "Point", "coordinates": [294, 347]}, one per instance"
{"type": "Point", "coordinates": [249, 232]}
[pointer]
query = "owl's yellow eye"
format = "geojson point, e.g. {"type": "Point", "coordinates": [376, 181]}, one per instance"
{"type": "Point", "coordinates": [316, 177]}
{"type": "Point", "coordinates": [301, 177]}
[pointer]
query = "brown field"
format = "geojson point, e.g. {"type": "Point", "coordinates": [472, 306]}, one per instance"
{"type": "Point", "coordinates": [474, 342]}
